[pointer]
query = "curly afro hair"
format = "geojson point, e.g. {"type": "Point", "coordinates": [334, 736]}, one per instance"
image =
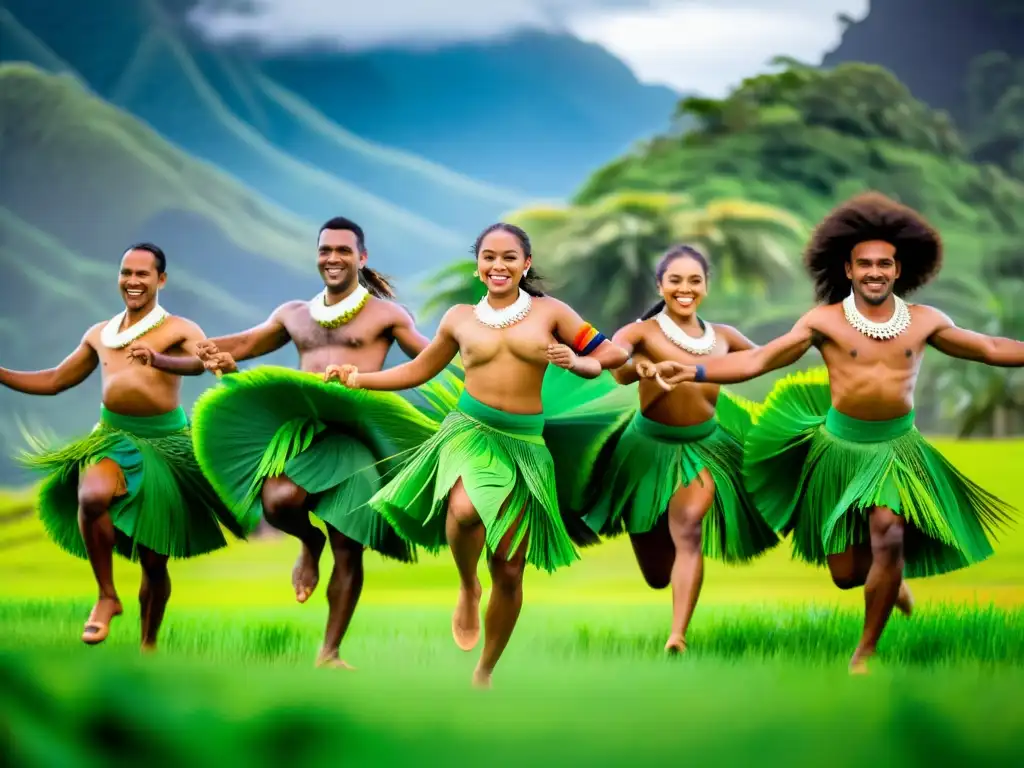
{"type": "Point", "coordinates": [871, 216]}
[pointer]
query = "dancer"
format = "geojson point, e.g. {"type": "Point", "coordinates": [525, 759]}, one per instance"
{"type": "Point", "coordinates": [673, 476]}
{"type": "Point", "coordinates": [486, 477]}
{"type": "Point", "coordinates": [835, 457]}
{"type": "Point", "coordinates": [133, 484]}
{"type": "Point", "coordinates": [282, 443]}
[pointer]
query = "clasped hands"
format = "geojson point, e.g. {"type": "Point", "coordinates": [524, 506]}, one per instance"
{"type": "Point", "coordinates": [346, 375]}
{"type": "Point", "coordinates": [215, 361]}
{"type": "Point", "coordinates": [668, 374]}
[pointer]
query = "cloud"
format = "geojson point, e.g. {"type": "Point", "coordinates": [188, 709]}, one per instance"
{"type": "Point", "coordinates": [289, 24]}
{"type": "Point", "coordinates": [704, 46]}
{"type": "Point", "coordinates": [709, 47]}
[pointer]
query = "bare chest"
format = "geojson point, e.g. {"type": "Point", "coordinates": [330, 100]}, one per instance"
{"type": "Point", "coordinates": [363, 332]}
{"type": "Point", "coordinates": [661, 349]}
{"type": "Point", "coordinates": [115, 361]}
{"type": "Point", "coordinates": [527, 340]}
{"type": "Point", "coordinates": [851, 349]}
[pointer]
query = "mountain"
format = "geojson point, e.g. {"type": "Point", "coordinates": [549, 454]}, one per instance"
{"type": "Point", "coordinates": [962, 56]}
{"type": "Point", "coordinates": [425, 147]}
{"type": "Point", "coordinates": [221, 109]}
{"type": "Point", "coordinates": [533, 111]}
{"type": "Point", "coordinates": [930, 44]}
{"type": "Point", "coordinates": [81, 181]}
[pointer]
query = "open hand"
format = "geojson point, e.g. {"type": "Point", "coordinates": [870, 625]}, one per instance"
{"type": "Point", "coordinates": [219, 363]}
{"type": "Point", "coordinates": [140, 353]}
{"type": "Point", "coordinates": [345, 374]}
{"type": "Point", "coordinates": [562, 356]}
{"type": "Point", "coordinates": [206, 349]}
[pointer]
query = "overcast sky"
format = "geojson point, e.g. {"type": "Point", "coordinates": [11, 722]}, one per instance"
{"type": "Point", "coordinates": [703, 46]}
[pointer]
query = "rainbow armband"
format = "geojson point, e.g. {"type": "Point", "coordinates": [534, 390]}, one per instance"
{"type": "Point", "coordinates": [587, 340]}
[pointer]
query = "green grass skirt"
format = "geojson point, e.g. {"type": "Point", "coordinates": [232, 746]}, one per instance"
{"type": "Point", "coordinates": [333, 442]}
{"type": "Point", "coordinates": [170, 507]}
{"type": "Point", "coordinates": [628, 467]}
{"type": "Point", "coordinates": [505, 467]}
{"type": "Point", "coordinates": [815, 473]}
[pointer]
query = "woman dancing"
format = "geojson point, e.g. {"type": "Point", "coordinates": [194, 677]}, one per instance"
{"type": "Point", "coordinates": [486, 477]}
{"type": "Point", "coordinates": [673, 476]}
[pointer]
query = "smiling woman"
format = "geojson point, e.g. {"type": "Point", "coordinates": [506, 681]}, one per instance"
{"type": "Point", "coordinates": [665, 464]}
{"type": "Point", "coordinates": [487, 477]}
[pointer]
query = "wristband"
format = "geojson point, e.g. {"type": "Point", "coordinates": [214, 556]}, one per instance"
{"type": "Point", "coordinates": [700, 375]}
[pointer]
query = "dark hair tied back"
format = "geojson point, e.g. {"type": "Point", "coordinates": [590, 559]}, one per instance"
{"type": "Point", "coordinates": [377, 284]}
{"type": "Point", "coordinates": [529, 282]}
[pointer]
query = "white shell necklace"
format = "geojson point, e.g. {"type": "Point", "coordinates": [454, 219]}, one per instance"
{"type": "Point", "coordinates": [890, 329]}
{"type": "Point", "coordinates": [113, 337]}
{"type": "Point", "coordinates": [503, 318]}
{"type": "Point", "coordinates": [695, 346]}
{"type": "Point", "coordinates": [338, 314]}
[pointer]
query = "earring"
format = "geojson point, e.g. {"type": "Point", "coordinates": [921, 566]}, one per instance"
{"type": "Point", "coordinates": [526, 272]}
{"type": "Point", "coordinates": [476, 273]}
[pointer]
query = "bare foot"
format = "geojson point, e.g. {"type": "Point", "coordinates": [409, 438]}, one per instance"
{"type": "Point", "coordinates": [481, 678]}
{"type": "Point", "coordinates": [97, 627]}
{"type": "Point", "coordinates": [859, 662]}
{"type": "Point", "coordinates": [332, 661]}
{"type": "Point", "coordinates": [905, 600]}
{"type": "Point", "coordinates": [306, 573]}
{"type": "Point", "coordinates": [676, 645]}
{"type": "Point", "coordinates": [466, 619]}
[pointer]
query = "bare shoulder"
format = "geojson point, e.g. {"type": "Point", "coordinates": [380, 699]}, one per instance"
{"type": "Point", "coordinates": [183, 325]}
{"type": "Point", "coordinates": [932, 318]}
{"type": "Point", "coordinates": [392, 311]}
{"type": "Point", "coordinates": [639, 330]}
{"type": "Point", "coordinates": [289, 308]}
{"type": "Point", "coordinates": [734, 339]}
{"type": "Point", "coordinates": [550, 304]}
{"type": "Point", "coordinates": [457, 313]}
{"type": "Point", "coordinates": [92, 336]}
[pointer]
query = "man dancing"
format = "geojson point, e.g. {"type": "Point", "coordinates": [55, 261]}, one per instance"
{"type": "Point", "coordinates": [835, 457]}
{"type": "Point", "coordinates": [283, 443]}
{"type": "Point", "coordinates": [133, 484]}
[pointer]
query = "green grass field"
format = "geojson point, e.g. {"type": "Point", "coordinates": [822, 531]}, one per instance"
{"type": "Point", "coordinates": [583, 681]}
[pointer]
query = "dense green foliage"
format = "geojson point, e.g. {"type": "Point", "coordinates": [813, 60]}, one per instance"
{"type": "Point", "coordinates": [800, 141]}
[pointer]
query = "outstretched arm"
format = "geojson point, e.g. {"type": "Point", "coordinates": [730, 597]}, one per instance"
{"type": "Point", "coordinates": [737, 367]}
{"type": "Point", "coordinates": [969, 345]}
{"type": "Point", "coordinates": [591, 352]}
{"type": "Point", "coordinates": [260, 340]}
{"type": "Point", "coordinates": [407, 335]}
{"type": "Point", "coordinates": [629, 338]}
{"type": "Point", "coordinates": [421, 369]}
{"type": "Point", "coordinates": [72, 371]}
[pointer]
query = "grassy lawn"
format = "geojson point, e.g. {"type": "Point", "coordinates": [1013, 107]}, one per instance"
{"type": "Point", "coordinates": [582, 682]}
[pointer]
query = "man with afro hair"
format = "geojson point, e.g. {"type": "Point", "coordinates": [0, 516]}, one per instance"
{"type": "Point", "coordinates": [835, 458]}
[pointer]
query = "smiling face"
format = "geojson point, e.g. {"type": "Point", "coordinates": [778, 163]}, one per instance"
{"type": "Point", "coordinates": [339, 259]}
{"type": "Point", "coordinates": [501, 263]}
{"type": "Point", "coordinates": [873, 270]}
{"type": "Point", "coordinates": [683, 287]}
{"type": "Point", "coordinates": [139, 279]}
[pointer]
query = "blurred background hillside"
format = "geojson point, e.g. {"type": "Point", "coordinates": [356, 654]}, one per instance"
{"type": "Point", "coordinates": [228, 133]}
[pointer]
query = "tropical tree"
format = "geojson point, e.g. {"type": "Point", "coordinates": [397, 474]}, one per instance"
{"type": "Point", "coordinates": [981, 397]}
{"type": "Point", "coordinates": [603, 259]}
{"type": "Point", "coordinates": [600, 257]}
